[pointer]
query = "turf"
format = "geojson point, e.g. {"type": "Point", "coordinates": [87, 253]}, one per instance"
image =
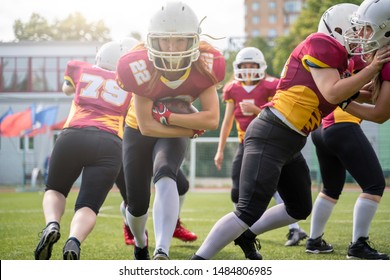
{"type": "Point", "coordinates": [21, 220]}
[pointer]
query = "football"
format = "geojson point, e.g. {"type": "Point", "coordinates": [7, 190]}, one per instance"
{"type": "Point", "coordinates": [179, 106]}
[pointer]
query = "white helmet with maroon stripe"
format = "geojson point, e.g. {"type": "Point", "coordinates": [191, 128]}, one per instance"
{"type": "Point", "coordinates": [336, 20]}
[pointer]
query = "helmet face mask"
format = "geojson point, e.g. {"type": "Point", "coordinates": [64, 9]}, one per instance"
{"type": "Point", "coordinates": [249, 55]}
{"type": "Point", "coordinates": [173, 60]}
{"type": "Point", "coordinates": [371, 28]}
{"type": "Point", "coordinates": [174, 21]}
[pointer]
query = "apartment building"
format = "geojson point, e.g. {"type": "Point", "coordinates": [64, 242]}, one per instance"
{"type": "Point", "coordinates": [270, 18]}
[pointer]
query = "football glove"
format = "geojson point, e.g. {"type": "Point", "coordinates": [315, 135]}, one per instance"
{"type": "Point", "coordinates": [161, 113]}
{"type": "Point", "coordinates": [343, 105]}
{"type": "Point", "coordinates": [197, 133]}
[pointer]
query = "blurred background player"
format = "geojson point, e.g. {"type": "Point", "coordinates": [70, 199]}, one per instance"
{"type": "Point", "coordinates": [90, 144]}
{"type": "Point", "coordinates": [250, 89]}
{"type": "Point", "coordinates": [173, 64]}
{"type": "Point", "coordinates": [342, 146]}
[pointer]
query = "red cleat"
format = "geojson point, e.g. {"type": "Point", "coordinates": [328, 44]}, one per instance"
{"type": "Point", "coordinates": [129, 237]}
{"type": "Point", "coordinates": [184, 234]}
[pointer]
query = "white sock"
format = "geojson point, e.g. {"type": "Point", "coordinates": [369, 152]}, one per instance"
{"type": "Point", "coordinates": [181, 202]}
{"type": "Point", "coordinates": [322, 209]}
{"type": "Point", "coordinates": [165, 212]}
{"type": "Point", "coordinates": [138, 227]}
{"type": "Point", "coordinates": [122, 208]}
{"type": "Point", "coordinates": [279, 200]}
{"type": "Point", "coordinates": [363, 213]}
{"type": "Point", "coordinates": [274, 217]}
{"type": "Point", "coordinates": [227, 229]}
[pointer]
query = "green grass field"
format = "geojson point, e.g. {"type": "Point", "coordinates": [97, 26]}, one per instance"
{"type": "Point", "coordinates": [21, 221]}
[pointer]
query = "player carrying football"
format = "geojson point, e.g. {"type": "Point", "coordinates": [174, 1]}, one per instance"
{"type": "Point", "coordinates": [173, 64]}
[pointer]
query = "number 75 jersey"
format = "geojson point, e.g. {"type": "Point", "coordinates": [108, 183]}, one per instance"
{"type": "Point", "coordinates": [98, 100]}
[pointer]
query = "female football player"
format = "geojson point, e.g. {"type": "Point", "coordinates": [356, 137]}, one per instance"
{"type": "Point", "coordinates": [250, 89]}
{"type": "Point", "coordinates": [341, 144]}
{"type": "Point", "coordinates": [173, 64]}
{"type": "Point", "coordinates": [183, 186]}
{"type": "Point", "coordinates": [309, 89]}
{"type": "Point", "coordinates": [91, 144]}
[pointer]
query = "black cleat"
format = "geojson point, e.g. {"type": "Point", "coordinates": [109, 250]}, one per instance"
{"type": "Point", "coordinates": [196, 257]}
{"type": "Point", "coordinates": [160, 255]}
{"type": "Point", "coordinates": [361, 249]}
{"type": "Point", "coordinates": [141, 253]}
{"type": "Point", "coordinates": [250, 247]}
{"type": "Point", "coordinates": [318, 246]}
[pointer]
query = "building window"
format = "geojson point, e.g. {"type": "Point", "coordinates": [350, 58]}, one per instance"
{"type": "Point", "coordinates": [34, 74]}
{"type": "Point", "coordinates": [255, 33]}
{"type": "Point", "coordinates": [255, 6]}
{"type": "Point", "coordinates": [293, 6]}
{"type": "Point", "coordinates": [26, 143]}
{"type": "Point", "coordinates": [255, 20]}
{"type": "Point", "coordinates": [272, 33]}
{"type": "Point", "coordinates": [272, 5]}
{"type": "Point", "coordinates": [272, 19]}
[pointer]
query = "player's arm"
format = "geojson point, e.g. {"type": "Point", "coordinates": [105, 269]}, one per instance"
{"type": "Point", "coordinates": [335, 90]}
{"type": "Point", "coordinates": [206, 119]}
{"type": "Point", "coordinates": [379, 112]}
{"type": "Point", "coordinates": [149, 126]}
{"type": "Point", "coordinates": [226, 127]}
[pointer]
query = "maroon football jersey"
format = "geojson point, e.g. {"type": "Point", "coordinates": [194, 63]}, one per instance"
{"type": "Point", "coordinates": [259, 95]}
{"type": "Point", "coordinates": [98, 100]}
{"type": "Point", "coordinates": [135, 70]}
{"type": "Point", "coordinates": [297, 96]}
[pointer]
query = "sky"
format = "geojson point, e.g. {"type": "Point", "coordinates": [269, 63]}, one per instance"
{"type": "Point", "coordinates": [225, 18]}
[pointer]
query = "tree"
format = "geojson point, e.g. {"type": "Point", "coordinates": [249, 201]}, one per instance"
{"type": "Point", "coordinates": [37, 29]}
{"type": "Point", "coordinates": [74, 27]}
{"type": "Point", "coordinates": [306, 24]}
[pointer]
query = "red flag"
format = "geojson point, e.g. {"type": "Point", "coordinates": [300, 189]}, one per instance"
{"type": "Point", "coordinates": [59, 125]}
{"type": "Point", "coordinates": [14, 125]}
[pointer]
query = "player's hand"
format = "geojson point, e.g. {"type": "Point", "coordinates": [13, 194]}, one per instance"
{"type": "Point", "coordinates": [218, 159]}
{"type": "Point", "coordinates": [161, 113]}
{"type": "Point", "coordinates": [197, 133]}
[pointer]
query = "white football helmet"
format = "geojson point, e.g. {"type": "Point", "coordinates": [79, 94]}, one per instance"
{"type": "Point", "coordinates": [108, 55]}
{"type": "Point", "coordinates": [173, 20]}
{"type": "Point", "coordinates": [249, 55]}
{"type": "Point", "coordinates": [376, 15]}
{"type": "Point", "coordinates": [336, 20]}
{"type": "Point", "coordinates": [127, 44]}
